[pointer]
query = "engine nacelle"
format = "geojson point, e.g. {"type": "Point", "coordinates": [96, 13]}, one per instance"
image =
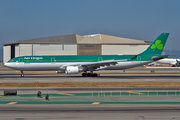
{"type": "Point", "coordinates": [72, 70]}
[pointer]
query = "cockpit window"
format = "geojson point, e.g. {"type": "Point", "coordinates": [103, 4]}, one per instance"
{"type": "Point", "coordinates": [11, 61]}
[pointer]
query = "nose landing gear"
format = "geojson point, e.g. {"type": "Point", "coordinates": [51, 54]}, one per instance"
{"type": "Point", "coordinates": [22, 75]}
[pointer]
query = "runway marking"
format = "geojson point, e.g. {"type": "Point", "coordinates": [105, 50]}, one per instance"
{"type": "Point", "coordinates": [65, 94]}
{"type": "Point", "coordinates": [136, 92]}
{"type": "Point", "coordinates": [17, 71]}
{"type": "Point", "coordinates": [11, 103]}
{"type": "Point", "coordinates": [96, 103]}
{"type": "Point", "coordinates": [39, 87]}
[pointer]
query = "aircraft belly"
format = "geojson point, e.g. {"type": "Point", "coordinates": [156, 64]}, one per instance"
{"type": "Point", "coordinates": [35, 66]}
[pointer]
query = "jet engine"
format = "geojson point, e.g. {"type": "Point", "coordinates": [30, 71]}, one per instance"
{"type": "Point", "coordinates": [72, 70]}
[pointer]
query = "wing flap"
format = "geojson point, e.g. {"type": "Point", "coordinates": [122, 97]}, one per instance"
{"type": "Point", "coordinates": [101, 63]}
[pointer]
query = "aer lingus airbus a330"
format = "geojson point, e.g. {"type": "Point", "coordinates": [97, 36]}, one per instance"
{"type": "Point", "coordinates": [73, 64]}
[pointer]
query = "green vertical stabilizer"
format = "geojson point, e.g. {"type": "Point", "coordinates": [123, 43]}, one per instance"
{"type": "Point", "coordinates": [157, 46]}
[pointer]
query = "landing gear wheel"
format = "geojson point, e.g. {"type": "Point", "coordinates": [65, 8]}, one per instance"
{"type": "Point", "coordinates": [84, 74]}
{"type": "Point", "coordinates": [95, 75]}
{"type": "Point", "coordinates": [89, 74]}
{"type": "Point", "coordinates": [22, 75]}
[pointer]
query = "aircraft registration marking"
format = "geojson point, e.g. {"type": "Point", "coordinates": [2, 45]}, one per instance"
{"type": "Point", "coordinates": [66, 94]}
{"type": "Point", "coordinates": [11, 103]}
{"type": "Point", "coordinates": [96, 103]}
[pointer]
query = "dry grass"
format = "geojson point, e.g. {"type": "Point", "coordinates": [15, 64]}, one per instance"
{"type": "Point", "coordinates": [94, 84]}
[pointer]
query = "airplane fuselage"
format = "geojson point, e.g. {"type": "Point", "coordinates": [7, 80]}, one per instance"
{"type": "Point", "coordinates": [56, 66]}
{"type": "Point", "coordinates": [42, 63]}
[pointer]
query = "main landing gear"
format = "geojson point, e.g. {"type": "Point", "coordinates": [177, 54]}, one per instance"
{"type": "Point", "coordinates": [89, 74]}
{"type": "Point", "coordinates": [22, 75]}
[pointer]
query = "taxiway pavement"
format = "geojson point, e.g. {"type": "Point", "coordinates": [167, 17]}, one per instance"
{"type": "Point", "coordinates": [136, 75]}
{"type": "Point", "coordinates": [89, 112]}
{"type": "Point", "coordinates": [92, 111]}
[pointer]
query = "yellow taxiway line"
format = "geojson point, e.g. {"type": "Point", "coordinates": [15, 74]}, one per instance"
{"type": "Point", "coordinates": [96, 103]}
{"type": "Point", "coordinates": [11, 103]}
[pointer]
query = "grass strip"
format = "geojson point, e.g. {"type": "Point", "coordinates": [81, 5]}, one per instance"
{"type": "Point", "coordinates": [94, 84]}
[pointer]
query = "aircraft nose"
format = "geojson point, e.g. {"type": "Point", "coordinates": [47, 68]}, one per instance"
{"type": "Point", "coordinates": [6, 64]}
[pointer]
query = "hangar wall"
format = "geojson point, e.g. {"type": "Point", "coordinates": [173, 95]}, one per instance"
{"type": "Point", "coordinates": [25, 49]}
{"type": "Point", "coordinates": [44, 49]}
{"type": "Point", "coordinates": [47, 49]}
{"type": "Point", "coordinates": [123, 49]}
{"type": "Point", "coordinates": [69, 50]}
{"type": "Point", "coordinates": [7, 55]}
{"type": "Point", "coordinates": [89, 49]}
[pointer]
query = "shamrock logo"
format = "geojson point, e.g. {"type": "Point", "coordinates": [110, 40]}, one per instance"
{"type": "Point", "coordinates": [157, 45]}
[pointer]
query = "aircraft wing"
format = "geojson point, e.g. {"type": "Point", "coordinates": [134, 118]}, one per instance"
{"type": "Point", "coordinates": [94, 65]}
{"type": "Point", "coordinates": [101, 63]}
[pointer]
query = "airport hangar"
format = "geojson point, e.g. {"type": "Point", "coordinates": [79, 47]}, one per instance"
{"type": "Point", "coordinates": [74, 44]}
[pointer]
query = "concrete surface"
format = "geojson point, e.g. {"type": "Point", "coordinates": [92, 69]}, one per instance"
{"type": "Point", "coordinates": [89, 112]}
{"type": "Point", "coordinates": [119, 111]}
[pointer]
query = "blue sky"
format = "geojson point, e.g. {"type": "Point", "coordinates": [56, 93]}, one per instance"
{"type": "Point", "coordinates": [138, 19]}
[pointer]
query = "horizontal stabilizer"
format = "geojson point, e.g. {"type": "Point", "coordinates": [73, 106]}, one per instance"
{"type": "Point", "coordinates": [155, 58]}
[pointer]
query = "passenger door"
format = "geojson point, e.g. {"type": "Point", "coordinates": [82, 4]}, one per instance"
{"type": "Point", "coordinates": [21, 61]}
{"type": "Point", "coordinates": [138, 58]}
{"type": "Point", "coordinates": [100, 59]}
{"type": "Point", "coordinates": [53, 60]}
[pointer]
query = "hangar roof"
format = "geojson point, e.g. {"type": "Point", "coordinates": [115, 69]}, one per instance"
{"type": "Point", "coordinates": [63, 39]}
{"type": "Point", "coordinates": [86, 39]}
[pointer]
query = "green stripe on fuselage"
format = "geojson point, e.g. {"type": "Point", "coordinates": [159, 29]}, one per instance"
{"type": "Point", "coordinates": [77, 58]}
{"type": "Point", "coordinates": [71, 58]}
